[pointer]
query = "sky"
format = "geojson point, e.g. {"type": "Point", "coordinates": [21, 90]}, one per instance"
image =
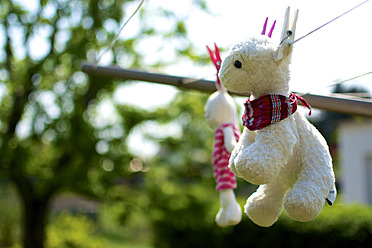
{"type": "Point", "coordinates": [338, 51]}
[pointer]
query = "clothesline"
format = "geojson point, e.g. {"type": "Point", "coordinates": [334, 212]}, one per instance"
{"type": "Point", "coordinates": [330, 102]}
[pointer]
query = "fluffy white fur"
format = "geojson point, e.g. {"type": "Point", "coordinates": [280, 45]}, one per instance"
{"type": "Point", "coordinates": [290, 160]}
{"type": "Point", "coordinates": [219, 110]}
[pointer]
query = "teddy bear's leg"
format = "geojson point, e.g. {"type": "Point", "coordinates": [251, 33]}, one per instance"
{"type": "Point", "coordinates": [308, 195]}
{"type": "Point", "coordinates": [265, 205]}
{"type": "Point", "coordinates": [230, 212]}
{"type": "Point", "coordinates": [263, 160]}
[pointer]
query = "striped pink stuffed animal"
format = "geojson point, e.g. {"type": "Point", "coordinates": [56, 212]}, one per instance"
{"type": "Point", "coordinates": [220, 114]}
{"type": "Point", "coordinates": [279, 149]}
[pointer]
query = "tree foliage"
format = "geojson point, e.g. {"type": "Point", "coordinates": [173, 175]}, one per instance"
{"type": "Point", "coordinates": [336, 226]}
{"type": "Point", "coordinates": [52, 135]}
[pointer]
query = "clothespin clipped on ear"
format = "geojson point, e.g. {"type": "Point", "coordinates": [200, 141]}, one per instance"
{"type": "Point", "coordinates": [287, 36]}
{"type": "Point", "coordinates": [217, 61]}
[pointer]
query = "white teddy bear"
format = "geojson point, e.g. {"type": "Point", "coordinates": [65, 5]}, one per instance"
{"type": "Point", "coordinates": [220, 114]}
{"type": "Point", "coordinates": [279, 149]}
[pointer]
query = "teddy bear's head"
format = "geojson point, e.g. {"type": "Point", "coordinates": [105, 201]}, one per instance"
{"type": "Point", "coordinates": [220, 109]}
{"type": "Point", "coordinates": [259, 66]}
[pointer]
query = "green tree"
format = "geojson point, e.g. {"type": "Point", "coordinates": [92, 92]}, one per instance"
{"type": "Point", "coordinates": [52, 138]}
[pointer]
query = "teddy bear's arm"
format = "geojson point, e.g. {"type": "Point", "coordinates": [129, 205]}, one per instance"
{"type": "Point", "coordinates": [261, 161]}
{"type": "Point", "coordinates": [246, 139]}
{"type": "Point", "coordinates": [229, 138]}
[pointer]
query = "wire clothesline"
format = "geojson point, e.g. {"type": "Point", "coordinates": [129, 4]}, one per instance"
{"type": "Point", "coordinates": [350, 79]}
{"type": "Point", "coordinates": [118, 33]}
{"type": "Point", "coordinates": [330, 21]}
{"type": "Point", "coordinates": [344, 81]}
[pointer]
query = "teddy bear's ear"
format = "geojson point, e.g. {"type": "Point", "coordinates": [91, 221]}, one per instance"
{"type": "Point", "coordinates": [217, 61]}
{"type": "Point", "coordinates": [287, 38]}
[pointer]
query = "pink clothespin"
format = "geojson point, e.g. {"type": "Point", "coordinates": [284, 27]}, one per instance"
{"type": "Point", "coordinates": [271, 29]}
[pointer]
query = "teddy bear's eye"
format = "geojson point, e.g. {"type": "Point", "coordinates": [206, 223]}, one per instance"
{"type": "Point", "coordinates": [238, 64]}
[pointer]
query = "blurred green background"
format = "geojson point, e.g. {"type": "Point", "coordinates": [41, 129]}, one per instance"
{"type": "Point", "coordinates": [68, 176]}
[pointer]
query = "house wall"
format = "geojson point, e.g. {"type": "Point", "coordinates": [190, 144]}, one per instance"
{"type": "Point", "coordinates": [355, 145]}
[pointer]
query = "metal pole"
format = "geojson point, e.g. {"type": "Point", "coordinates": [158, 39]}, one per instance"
{"type": "Point", "coordinates": [341, 104]}
{"type": "Point", "coordinates": [331, 102]}
{"type": "Point", "coordinates": [126, 74]}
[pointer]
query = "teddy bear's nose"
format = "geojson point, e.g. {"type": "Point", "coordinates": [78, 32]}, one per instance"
{"type": "Point", "coordinates": [238, 64]}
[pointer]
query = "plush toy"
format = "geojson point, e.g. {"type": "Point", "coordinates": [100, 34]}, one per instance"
{"type": "Point", "coordinates": [279, 149]}
{"type": "Point", "coordinates": [220, 114]}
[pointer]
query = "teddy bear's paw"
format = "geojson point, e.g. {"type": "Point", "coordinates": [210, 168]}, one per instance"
{"type": "Point", "coordinates": [262, 215]}
{"type": "Point", "coordinates": [254, 171]}
{"type": "Point", "coordinates": [235, 153]}
{"type": "Point", "coordinates": [301, 210]}
{"type": "Point", "coordinates": [229, 216]}
{"type": "Point", "coordinates": [232, 168]}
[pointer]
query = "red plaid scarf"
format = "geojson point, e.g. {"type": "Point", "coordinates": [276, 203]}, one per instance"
{"type": "Point", "coordinates": [269, 109]}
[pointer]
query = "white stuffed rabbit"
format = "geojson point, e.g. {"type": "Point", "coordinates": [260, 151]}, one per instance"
{"type": "Point", "coordinates": [279, 149]}
{"type": "Point", "coordinates": [220, 114]}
